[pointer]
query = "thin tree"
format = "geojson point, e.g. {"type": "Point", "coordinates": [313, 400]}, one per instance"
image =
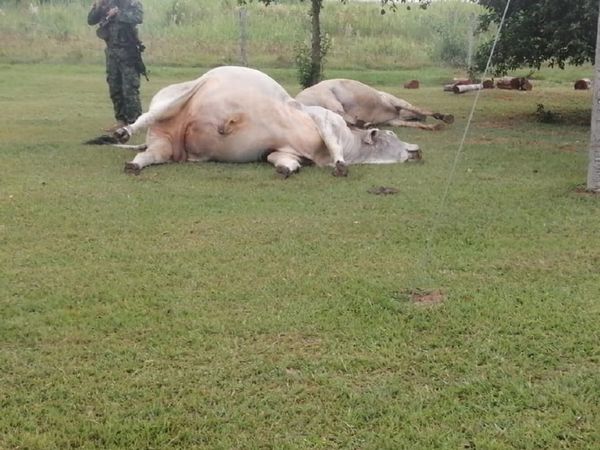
{"type": "Point", "coordinates": [316, 47]}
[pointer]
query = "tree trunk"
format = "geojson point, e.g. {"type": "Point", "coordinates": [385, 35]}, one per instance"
{"type": "Point", "coordinates": [593, 179]}
{"type": "Point", "coordinates": [315, 51]}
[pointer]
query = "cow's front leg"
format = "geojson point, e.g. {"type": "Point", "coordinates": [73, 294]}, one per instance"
{"type": "Point", "coordinates": [334, 132]}
{"type": "Point", "coordinates": [285, 163]}
{"type": "Point", "coordinates": [340, 169]}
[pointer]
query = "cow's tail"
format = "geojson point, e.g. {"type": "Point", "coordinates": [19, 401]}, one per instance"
{"type": "Point", "coordinates": [102, 140]}
{"type": "Point", "coordinates": [112, 141]}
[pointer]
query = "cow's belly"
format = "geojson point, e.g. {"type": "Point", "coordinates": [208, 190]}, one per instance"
{"type": "Point", "coordinates": [237, 152]}
{"type": "Point", "coordinates": [226, 149]}
{"type": "Point", "coordinates": [249, 138]}
{"type": "Point", "coordinates": [373, 115]}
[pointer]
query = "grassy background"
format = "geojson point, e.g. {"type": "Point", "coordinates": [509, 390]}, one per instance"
{"type": "Point", "coordinates": [217, 306]}
{"type": "Point", "coordinates": [206, 33]}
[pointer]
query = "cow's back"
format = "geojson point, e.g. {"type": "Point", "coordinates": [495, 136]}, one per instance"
{"type": "Point", "coordinates": [242, 79]}
{"type": "Point", "coordinates": [357, 100]}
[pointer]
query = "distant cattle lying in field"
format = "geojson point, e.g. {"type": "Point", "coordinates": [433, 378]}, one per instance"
{"type": "Point", "coordinates": [362, 106]}
{"type": "Point", "coordinates": [236, 114]}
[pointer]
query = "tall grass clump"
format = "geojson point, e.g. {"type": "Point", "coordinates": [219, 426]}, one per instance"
{"type": "Point", "coordinates": [206, 33]}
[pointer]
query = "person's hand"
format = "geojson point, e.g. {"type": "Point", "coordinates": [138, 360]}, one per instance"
{"type": "Point", "coordinates": [112, 12]}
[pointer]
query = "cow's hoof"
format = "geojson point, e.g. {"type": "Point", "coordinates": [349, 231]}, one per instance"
{"type": "Point", "coordinates": [283, 171]}
{"type": "Point", "coordinates": [340, 170]}
{"type": "Point", "coordinates": [122, 135]}
{"type": "Point", "coordinates": [415, 155]}
{"type": "Point", "coordinates": [448, 118]}
{"type": "Point", "coordinates": [132, 168]}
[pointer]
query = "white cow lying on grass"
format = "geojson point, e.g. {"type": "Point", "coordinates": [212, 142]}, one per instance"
{"type": "Point", "coordinates": [362, 106]}
{"type": "Point", "coordinates": [236, 114]}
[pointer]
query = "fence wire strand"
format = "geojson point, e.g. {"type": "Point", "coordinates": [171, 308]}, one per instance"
{"type": "Point", "coordinates": [426, 259]}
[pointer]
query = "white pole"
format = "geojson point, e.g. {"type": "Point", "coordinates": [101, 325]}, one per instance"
{"type": "Point", "coordinates": [593, 179]}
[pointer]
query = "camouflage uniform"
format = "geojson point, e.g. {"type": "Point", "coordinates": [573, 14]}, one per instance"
{"type": "Point", "coordinates": [122, 70]}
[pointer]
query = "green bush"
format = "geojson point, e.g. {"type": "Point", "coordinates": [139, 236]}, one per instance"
{"type": "Point", "coordinates": [308, 73]}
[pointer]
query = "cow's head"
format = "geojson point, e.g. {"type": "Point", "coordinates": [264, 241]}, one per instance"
{"type": "Point", "coordinates": [382, 147]}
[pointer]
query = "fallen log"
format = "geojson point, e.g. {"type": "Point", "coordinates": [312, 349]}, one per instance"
{"type": "Point", "coordinates": [462, 88]}
{"type": "Point", "coordinates": [583, 85]}
{"type": "Point", "coordinates": [451, 87]}
{"type": "Point", "coordinates": [516, 83]}
{"type": "Point", "coordinates": [457, 82]}
{"type": "Point", "coordinates": [412, 84]}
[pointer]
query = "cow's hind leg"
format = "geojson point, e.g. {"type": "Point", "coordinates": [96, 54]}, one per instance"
{"type": "Point", "coordinates": [159, 151]}
{"type": "Point", "coordinates": [285, 163]}
{"type": "Point", "coordinates": [143, 122]}
{"type": "Point", "coordinates": [407, 110]}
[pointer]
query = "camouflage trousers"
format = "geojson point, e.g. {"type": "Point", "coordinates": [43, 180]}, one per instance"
{"type": "Point", "coordinates": [123, 84]}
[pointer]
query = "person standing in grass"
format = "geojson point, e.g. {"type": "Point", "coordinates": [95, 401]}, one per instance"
{"type": "Point", "coordinates": [117, 22]}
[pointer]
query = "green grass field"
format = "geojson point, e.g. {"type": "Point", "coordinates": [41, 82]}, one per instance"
{"type": "Point", "coordinates": [217, 306]}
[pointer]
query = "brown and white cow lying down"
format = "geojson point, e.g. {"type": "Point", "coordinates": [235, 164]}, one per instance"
{"type": "Point", "coordinates": [236, 114]}
{"type": "Point", "coordinates": [362, 106]}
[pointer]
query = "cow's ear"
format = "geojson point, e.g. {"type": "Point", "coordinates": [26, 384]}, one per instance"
{"type": "Point", "coordinates": [371, 136]}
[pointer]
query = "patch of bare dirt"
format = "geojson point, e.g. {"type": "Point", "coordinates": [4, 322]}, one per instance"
{"type": "Point", "coordinates": [434, 297]}
{"type": "Point", "coordinates": [423, 296]}
{"type": "Point", "coordinates": [382, 190]}
{"type": "Point", "coordinates": [567, 148]}
{"type": "Point", "coordinates": [581, 190]}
